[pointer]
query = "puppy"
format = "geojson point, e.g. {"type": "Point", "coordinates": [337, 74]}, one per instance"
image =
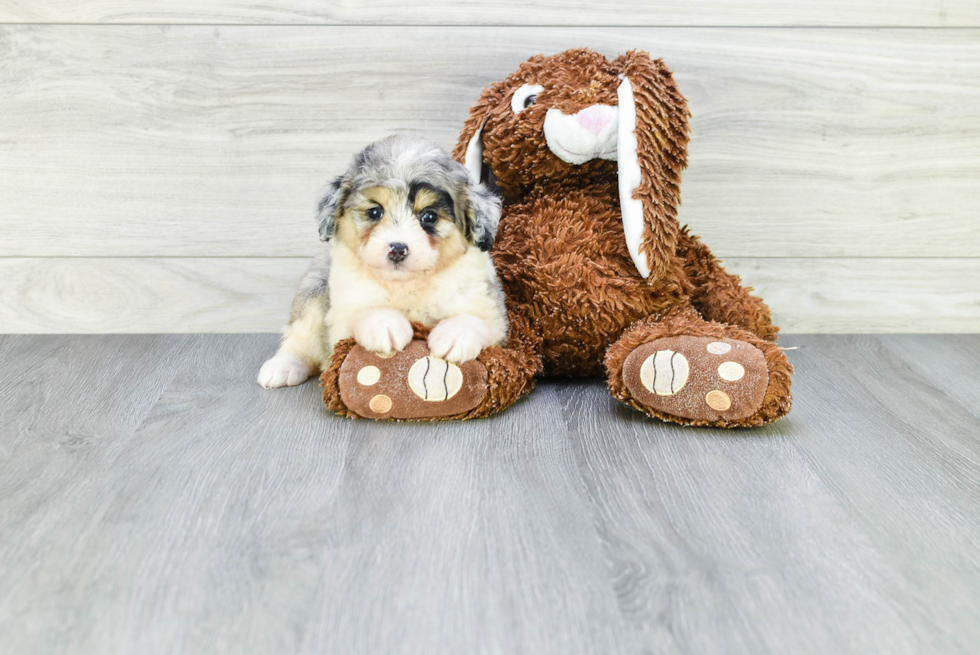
{"type": "Point", "coordinates": [409, 236]}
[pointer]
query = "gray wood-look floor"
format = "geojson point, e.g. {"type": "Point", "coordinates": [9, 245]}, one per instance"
{"type": "Point", "coordinates": [154, 499]}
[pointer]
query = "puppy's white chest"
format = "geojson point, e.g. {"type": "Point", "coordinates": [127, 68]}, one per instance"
{"type": "Point", "coordinates": [466, 287]}
{"type": "Point", "coordinates": [426, 308]}
{"type": "Point", "coordinates": [353, 289]}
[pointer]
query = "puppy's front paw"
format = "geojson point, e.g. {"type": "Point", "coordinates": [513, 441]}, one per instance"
{"type": "Point", "coordinates": [381, 330]}
{"type": "Point", "coordinates": [284, 370]}
{"type": "Point", "coordinates": [460, 338]}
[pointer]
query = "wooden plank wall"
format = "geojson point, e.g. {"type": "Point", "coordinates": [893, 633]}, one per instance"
{"type": "Point", "coordinates": [158, 161]}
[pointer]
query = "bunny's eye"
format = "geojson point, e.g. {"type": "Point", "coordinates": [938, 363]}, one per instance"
{"type": "Point", "coordinates": [525, 96]}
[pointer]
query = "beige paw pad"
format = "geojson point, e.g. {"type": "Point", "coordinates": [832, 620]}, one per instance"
{"type": "Point", "coordinates": [718, 400]}
{"type": "Point", "coordinates": [380, 404]}
{"type": "Point", "coordinates": [731, 371]}
{"type": "Point", "coordinates": [434, 379]}
{"type": "Point", "coordinates": [665, 372]}
{"type": "Point", "coordinates": [368, 375]}
{"type": "Point", "coordinates": [718, 347]}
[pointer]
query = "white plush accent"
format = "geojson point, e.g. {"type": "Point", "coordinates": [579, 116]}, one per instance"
{"type": "Point", "coordinates": [434, 379]}
{"type": "Point", "coordinates": [718, 347]}
{"type": "Point", "coordinates": [368, 376]}
{"type": "Point", "coordinates": [284, 370]}
{"type": "Point", "coordinates": [731, 371]}
{"type": "Point", "coordinates": [522, 94]}
{"type": "Point", "coordinates": [571, 142]}
{"type": "Point", "coordinates": [629, 177]}
{"type": "Point", "coordinates": [473, 159]}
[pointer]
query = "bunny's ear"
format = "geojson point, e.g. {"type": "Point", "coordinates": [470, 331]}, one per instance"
{"type": "Point", "coordinates": [652, 152]}
{"type": "Point", "coordinates": [473, 156]}
{"type": "Point", "coordinates": [469, 148]}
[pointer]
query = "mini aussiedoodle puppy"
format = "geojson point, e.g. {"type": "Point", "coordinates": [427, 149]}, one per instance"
{"type": "Point", "coordinates": [409, 236]}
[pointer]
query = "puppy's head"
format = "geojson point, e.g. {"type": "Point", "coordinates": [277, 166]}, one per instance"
{"type": "Point", "coordinates": [405, 208]}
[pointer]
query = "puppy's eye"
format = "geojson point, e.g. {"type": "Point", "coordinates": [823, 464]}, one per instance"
{"type": "Point", "coordinates": [375, 213]}
{"type": "Point", "coordinates": [428, 217]}
{"type": "Point", "coordinates": [525, 96]}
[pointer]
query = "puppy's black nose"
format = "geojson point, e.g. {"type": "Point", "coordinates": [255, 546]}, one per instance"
{"type": "Point", "coordinates": [397, 252]}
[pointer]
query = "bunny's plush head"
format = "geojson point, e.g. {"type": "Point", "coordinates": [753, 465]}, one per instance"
{"type": "Point", "coordinates": [575, 118]}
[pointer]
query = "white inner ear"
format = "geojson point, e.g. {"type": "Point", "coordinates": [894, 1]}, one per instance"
{"type": "Point", "coordinates": [473, 159]}
{"type": "Point", "coordinates": [629, 177]}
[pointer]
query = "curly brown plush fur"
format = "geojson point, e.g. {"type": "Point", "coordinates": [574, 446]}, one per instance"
{"type": "Point", "coordinates": [560, 250]}
{"type": "Point", "coordinates": [578, 300]}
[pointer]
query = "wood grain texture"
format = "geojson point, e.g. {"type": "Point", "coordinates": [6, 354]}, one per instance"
{"type": "Point", "coordinates": [860, 492]}
{"type": "Point", "coordinates": [915, 13]}
{"type": "Point", "coordinates": [867, 295]}
{"type": "Point", "coordinates": [86, 295]}
{"type": "Point", "coordinates": [925, 470]}
{"type": "Point", "coordinates": [947, 361]}
{"type": "Point", "coordinates": [212, 141]}
{"type": "Point", "coordinates": [81, 295]}
{"type": "Point", "coordinates": [184, 509]}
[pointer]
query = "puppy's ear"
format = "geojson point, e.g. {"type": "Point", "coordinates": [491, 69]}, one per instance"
{"type": "Point", "coordinates": [482, 215]}
{"type": "Point", "coordinates": [652, 152]}
{"type": "Point", "coordinates": [328, 207]}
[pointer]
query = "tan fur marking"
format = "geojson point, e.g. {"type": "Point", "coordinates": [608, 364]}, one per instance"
{"type": "Point", "coordinates": [306, 337]}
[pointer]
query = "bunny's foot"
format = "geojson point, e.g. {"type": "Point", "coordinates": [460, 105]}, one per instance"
{"type": "Point", "coordinates": [687, 370]}
{"type": "Point", "coordinates": [698, 378]}
{"type": "Point", "coordinates": [410, 384]}
{"type": "Point", "coordinates": [415, 385]}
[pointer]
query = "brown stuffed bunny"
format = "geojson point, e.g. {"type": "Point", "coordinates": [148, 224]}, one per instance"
{"type": "Point", "coordinates": [600, 277]}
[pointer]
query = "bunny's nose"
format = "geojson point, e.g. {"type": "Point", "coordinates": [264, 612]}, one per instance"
{"type": "Point", "coordinates": [596, 117]}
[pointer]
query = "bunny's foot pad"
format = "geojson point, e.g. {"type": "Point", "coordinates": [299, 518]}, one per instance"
{"type": "Point", "coordinates": [411, 384]}
{"type": "Point", "coordinates": [699, 378]}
